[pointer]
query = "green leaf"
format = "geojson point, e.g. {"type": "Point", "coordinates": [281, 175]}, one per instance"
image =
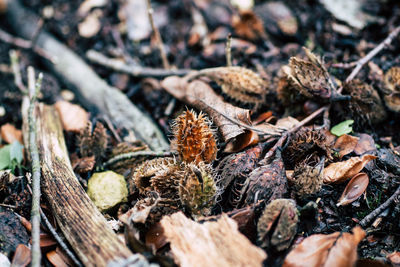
{"type": "Point", "coordinates": [342, 128]}
{"type": "Point", "coordinates": [5, 160]}
{"type": "Point", "coordinates": [11, 156]}
{"type": "Point", "coordinates": [16, 153]}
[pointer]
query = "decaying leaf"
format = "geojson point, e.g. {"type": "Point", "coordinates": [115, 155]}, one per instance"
{"type": "Point", "coordinates": [340, 171]}
{"type": "Point", "coordinates": [22, 256]}
{"type": "Point", "coordinates": [93, 143]}
{"type": "Point", "coordinates": [345, 144]}
{"type": "Point", "coordinates": [394, 258]}
{"type": "Point", "coordinates": [248, 138]}
{"type": "Point", "coordinates": [277, 225]}
{"type": "Point", "coordinates": [265, 183]}
{"type": "Point", "coordinates": [392, 84]}
{"type": "Point", "coordinates": [248, 25]}
{"type": "Point", "coordinates": [215, 243]}
{"type": "Point", "coordinates": [240, 83]}
{"type": "Point", "coordinates": [194, 139]}
{"type": "Point", "coordinates": [83, 165]}
{"type": "Point", "coordinates": [201, 96]}
{"type": "Point", "coordinates": [73, 117]}
{"type": "Point", "coordinates": [365, 144]}
{"type": "Point", "coordinates": [10, 134]}
{"type": "Point", "coordinates": [311, 78]}
{"type": "Point", "coordinates": [337, 249]}
{"type": "Point", "coordinates": [354, 189]}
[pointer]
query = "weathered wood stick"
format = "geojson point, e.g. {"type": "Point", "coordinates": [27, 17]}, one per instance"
{"type": "Point", "coordinates": [82, 224]}
{"type": "Point", "coordinates": [94, 93]}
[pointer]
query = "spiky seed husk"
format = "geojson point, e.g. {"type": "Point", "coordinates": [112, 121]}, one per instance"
{"type": "Point", "coordinates": [194, 139]}
{"type": "Point", "coordinates": [141, 177]}
{"type": "Point", "coordinates": [307, 179]}
{"type": "Point", "coordinates": [197, 189]}
{"type": "Point", "coordinates": [365, 106]}
{"type": "Point", "coordinates": [305, 143]}
{"type": "Point", "coordinates": [277, 225]}
{"type": "Point", "coordinates": [93, 143]}
{"type": "Point", "coordinates": [392, 84]}
{"type": "Point", "coordinates": [239, 83]}
{"type": "Point", "coordinates": [286, 90]}
{"type": "Point", "coordinates": [84, 140]}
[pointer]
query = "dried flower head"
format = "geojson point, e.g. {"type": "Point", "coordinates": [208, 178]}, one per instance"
{"type": "Point", "coordinates": [277, 225]}
{"type": "Point", "coordinates": [239, 83]}
{"type": "Point", "coordinates": [307, 179]}
{"type": "Point", "coordinates": [392, 84]}
{"type": "Point", "coordinates": [311, 78]}
{"type": "Point", "coordinates": [194, 138]}
{"type": "Point", "coordinates": [365, 106]}
{"type": "Point", "coordinates": [307, 143]}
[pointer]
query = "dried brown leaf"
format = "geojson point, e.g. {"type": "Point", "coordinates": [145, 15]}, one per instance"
{"type": "Point", "coordinates": [365, 144]}
{"type": "Point", "coordinates": [83, 165]}
{"type": "Point", "coordinates": [394, 258]}
{"type": "Point", "coordinates": [248, 25]}
{"type": "Point", "coordinates": [334, 250]}
{"type": "Point", "coordinates": [354, 189]}
{"type": "Point", "coordinates": [340, 171]}
{"type": "Point", "coordinates": [155, 237]}
{"type": "Point", "coordinates": [248, 138]}
{"type": "Point", "coordinates": [201, 96]}
{"type": "Point", "coordinates": [73, 117]}
{"type": "Point", "coordinates": [215, 243]}
{"type": "Point", "coordinates": [345, 144]}
{"type": "Point", "coordinates": [22, 256]}
{"type": "Point", "coordinates": [10, 134]}
{"type": "Point", "coordinates": [56, 259]}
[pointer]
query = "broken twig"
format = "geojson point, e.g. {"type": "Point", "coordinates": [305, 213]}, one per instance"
{"type": "Point", "coordinates": [135, 154]}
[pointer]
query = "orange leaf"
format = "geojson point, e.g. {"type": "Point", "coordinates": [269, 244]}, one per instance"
{"type": "Point", "coordinates": [354, 189]}
{"type": "Point", "coordinates": [334, 250]}
{"type": "Point", "coordinates": [56, 259]}
{"type": "Point", "coordinates": [340, 171]}
{"type": "Point", "coordinates": [345, 144]}
{"type": "Point", "coordinates": [22, 256]}
{"type": "Point", "coordinates": [365, 144]}
{"type": "Point", "coordinates": [242, 141]}
{"type": "Point", "coordinates": [10, 134]}
{"type": "Point", "coordinates": [73, 117]}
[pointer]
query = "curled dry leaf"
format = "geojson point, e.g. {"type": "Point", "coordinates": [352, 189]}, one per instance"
{"type": "Point", "coordinates": [10, 134]}
{"type": "Point", "coordinates": [337, 249]}
{"type": "Point", "coordinates": [365, 144]}
{"type": "Point", "coordinates": [354, 189]}
{"type": "Point", "coordinates": [340, 171]}
{"type": "Point", "coordinates": [73, 117]}
{"type": "Point", "coordinates": [248, 25]}
{"type": "Point", "coordinates": [246, 139]}
{"type": "Point", "coordinates": [201, 96]}
{"type": "Point", "coordinates": [22, 256]}
{"type": "Point", "coordinates": [345, 144]}
{"type": "Point", "coordinates": [214, 243]}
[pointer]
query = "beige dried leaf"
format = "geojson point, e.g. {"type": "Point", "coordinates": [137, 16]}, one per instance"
{"type": "Point", "coordinates": [73, 117]}
{"type": "Point", "coordinates": [345, 144]}
{"type": "Point", "coordinates": [10, 134]}
{"type": "Point", "coordinates": [340, 171]}
{"type": "Point", "coordinates": [354, 189]}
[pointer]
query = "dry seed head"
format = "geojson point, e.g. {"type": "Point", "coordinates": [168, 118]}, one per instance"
{"type": "Point", "coordinates": [239, 83]}
{"type": "Point", "coordinates": [365, 106]}
{"type": "Point", "coordinates": [392, 84]}
{"type": "Point", "coordinates": [307, 179]}
{"type": "Point", "coordinates": [197, 189]}
{"type": "Point", "coordinates": [286, 90]}
{"type": "Point", "coordinates": [194, 139]}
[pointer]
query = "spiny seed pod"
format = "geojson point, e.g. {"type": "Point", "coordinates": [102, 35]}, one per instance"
{"type": "Point", "coordinates": [311, 78]}
{"type": "Point", "coordinates": [141, 177]}
{"type": "Point", "coordinates": [194, 138]}
{"type": "Point", "coordinates": [93, 143]}
{"type": "Point", "coordinates": [304, 143]}
{"type": "Point", "coordinates": [392, 84]}
{"type": "Point", "coordinates": [277, 225]}
{"type": "Point", "coordinates": [286, 90]}
{"type": "Point", "coordinates": [365, 106]}
{"type": "Point", "coordinates": [239, 83]}
{"type": "Point", "coordinates": [197, 189]}
{"type": "Point", "coordinates": [307, 179]}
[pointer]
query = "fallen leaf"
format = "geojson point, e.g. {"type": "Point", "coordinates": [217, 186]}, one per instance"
{"type": "Point", "coordinates": [354, 189]}
{"type": "Point", "coordinates": [365, 144]}
{"type": "Point", "coordinates": [287, 122]}
{"type": "Point", "coordinates": [201, 96]}
{"type": "Point", "coordinates": [56, 259]}
{"type": "Point", "coordinates": [72, 116]}
{"type": "Point", "coordinates": [340, 171]}
{"type": "Point", "coordinates": [134, 19]}
{"type": "Point", "coordinates": [10, 134]}
{"type": "Point", "coordinates": [345, 144]}
{"type": "Point", "coordinates": [394, 258]}
{"type": "Point", "coordinates": [91, 25]}
{"type": "Point", "coordinates": [248, 25]}
{"type": "Point", "coordinates": [22, 256]}
{"type": "Point", "coordinates": [214, 243]}
{"type": "Point", "coordinates": [246, 139]}
{"type": "Point", "coordinates": [155, 237]}
{"type": "Point", "coordinates": [334, 250]}
{"type": "Point", "coordinates": [87, 5]}
{"type": "Point", "coordinates": [342, 128]}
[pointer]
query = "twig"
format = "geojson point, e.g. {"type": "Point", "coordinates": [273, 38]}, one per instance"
{"type": "Point", "coordinates": [112, 128]}
{"type": "Point", "coordinates": [228, 51]}
{"type": "Point", "coordinates": [135, 71]}
{"type": "Point", "coordinates": [372, 53]}
{"type": "Point", "coordinates": [17, 73]}
{"type": "Point", "coordinates": [34, 88]}
{"type": "Point", "coordinates": [364, 222]}
{"type": "Point", "coordinates": [344, 65]}
{"type": "Point", "coordinates": [157, 36]}
{"type": "Point", "coordinates": [135, 154]}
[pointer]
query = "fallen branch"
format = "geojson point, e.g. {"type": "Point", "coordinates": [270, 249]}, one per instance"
{"type": "Point", "coordinates": [92, 91]}
{"type": "Point", "coordinates": [34, 87]}
{"type": "Point", "coordinates": [81, 223]}
{"type": "Point", "coordinates": [364, 222]}
{"type": "Point", "coordinates": [135, 154]}
{"type": "Point", "coordinates": [135, 71]}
